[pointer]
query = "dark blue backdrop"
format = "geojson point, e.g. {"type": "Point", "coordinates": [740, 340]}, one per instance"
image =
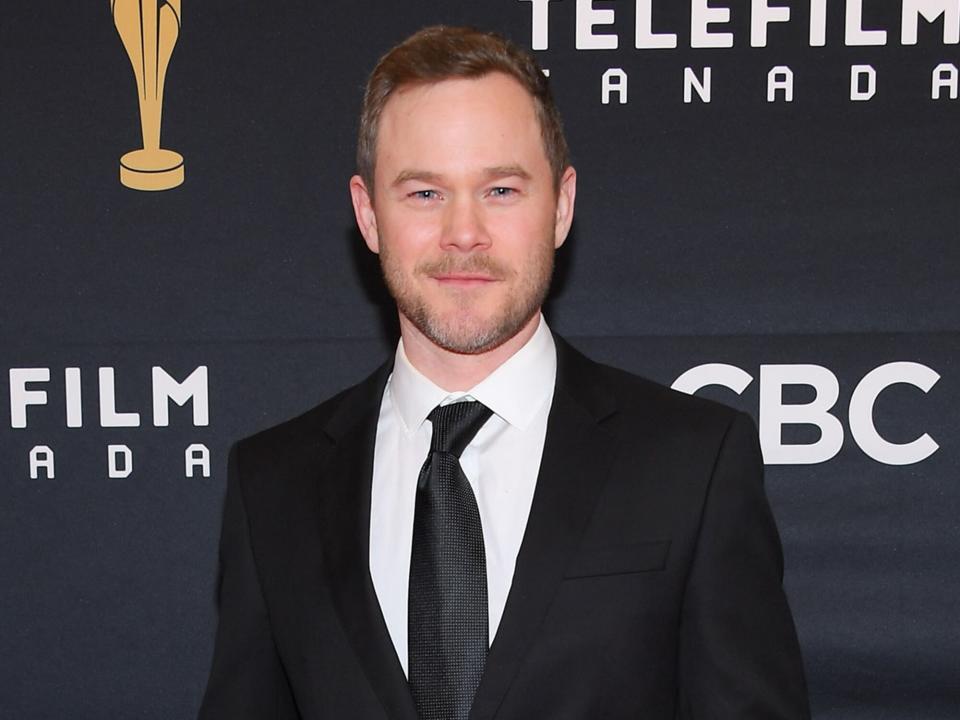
{"type": "Point", "coordinates": [819, 231]}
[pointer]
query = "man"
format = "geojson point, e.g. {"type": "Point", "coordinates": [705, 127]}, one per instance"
{"type": "Point", "coordinates": [492, 525]}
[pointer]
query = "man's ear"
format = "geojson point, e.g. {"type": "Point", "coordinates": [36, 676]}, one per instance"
{"type": "Point", "coordinates": [363, 210]}
{"type": "Point", "coordinates": [565, 200]}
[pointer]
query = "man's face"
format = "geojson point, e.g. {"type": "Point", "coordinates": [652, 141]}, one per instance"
{"type": "Point", "coordinates": [465, 215]}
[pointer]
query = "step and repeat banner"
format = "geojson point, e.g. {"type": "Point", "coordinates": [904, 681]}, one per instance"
{"type": "Point", "coordinates": [767, 214]}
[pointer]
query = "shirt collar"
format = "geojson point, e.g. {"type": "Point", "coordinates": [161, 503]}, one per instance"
{"type": "Point", "coordinates": [514, 391]}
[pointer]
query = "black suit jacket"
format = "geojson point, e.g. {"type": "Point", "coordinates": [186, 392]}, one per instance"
{"type": "Point", "coordinates": [648, 583]}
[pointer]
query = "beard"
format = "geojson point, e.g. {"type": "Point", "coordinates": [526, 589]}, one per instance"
{"type": "Point", "coordinates": [459, 328]}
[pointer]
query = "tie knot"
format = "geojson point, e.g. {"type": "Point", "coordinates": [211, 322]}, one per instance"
{"type": "Point", "coordinates": [454, 425]}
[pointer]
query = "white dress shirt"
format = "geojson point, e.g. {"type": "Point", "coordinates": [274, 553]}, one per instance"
{"type": "Point", "coordinates": [501, 463]}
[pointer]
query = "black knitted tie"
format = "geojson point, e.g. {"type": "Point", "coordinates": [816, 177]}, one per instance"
{"type": "Point", "coordinates": [447, 617]}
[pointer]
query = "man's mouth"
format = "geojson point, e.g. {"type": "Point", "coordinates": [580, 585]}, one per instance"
{"type": "Point", "coordinates": [464, 279]}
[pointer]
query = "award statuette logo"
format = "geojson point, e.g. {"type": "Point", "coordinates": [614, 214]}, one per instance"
{"type": "Point", "coordinates": [149, 30]}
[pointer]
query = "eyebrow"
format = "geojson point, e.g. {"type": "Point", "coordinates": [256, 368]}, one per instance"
{"type": "Point", "coordinates": [502, 171]}
{"type": "Point", "coordinates": [490, 173]}
{"type": "Point", "coordinates": [422, 175]}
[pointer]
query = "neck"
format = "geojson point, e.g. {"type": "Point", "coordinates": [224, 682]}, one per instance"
{"type": "Point", "coordinates": [458, 371]}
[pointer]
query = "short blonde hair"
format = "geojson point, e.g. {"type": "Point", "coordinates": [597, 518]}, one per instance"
{"type": "Point", "coordinates": [440, 53]}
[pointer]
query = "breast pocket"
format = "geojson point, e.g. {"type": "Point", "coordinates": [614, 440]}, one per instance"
{"type": "Point", "coordinates": [648, 556]}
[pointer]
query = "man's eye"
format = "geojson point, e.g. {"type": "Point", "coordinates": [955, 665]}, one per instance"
{"type": "Point", "coordinates": [502, 192]}
{"type": "Point", "coordinates": [424, 194]}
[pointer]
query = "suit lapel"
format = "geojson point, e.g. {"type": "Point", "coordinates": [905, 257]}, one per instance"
{"type": "Point", "coordinates": [345, 512]}
{"type": "Point", "coordinates": [576, 461]}
{"type": "Point", "coordinates": [577, 457]}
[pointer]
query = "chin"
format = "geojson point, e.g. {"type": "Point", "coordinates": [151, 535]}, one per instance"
{"type": "Point", "coordinates": [469, 333]}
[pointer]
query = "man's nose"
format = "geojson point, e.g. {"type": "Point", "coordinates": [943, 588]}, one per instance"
{"type": "Point", "coordinates": [464, 226]}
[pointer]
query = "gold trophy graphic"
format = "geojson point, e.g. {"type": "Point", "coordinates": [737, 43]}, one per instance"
{"type": "Point", "coordinates": [149, 30]}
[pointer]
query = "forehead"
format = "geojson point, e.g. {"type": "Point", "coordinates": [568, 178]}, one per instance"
{"type": "Point", "coordinates": [459, 122]}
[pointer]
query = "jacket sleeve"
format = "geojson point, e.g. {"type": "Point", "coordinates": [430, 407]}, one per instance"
{"type": "Point", "coordinates": [739, 656]}
{"type": "Point", "coordinates": [246, 678]}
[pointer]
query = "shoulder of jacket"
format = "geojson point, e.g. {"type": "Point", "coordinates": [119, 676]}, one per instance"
{"type": "Point", "coordinates": [319, 424]}
{"type": "Point", "coordinates": [635, 396]}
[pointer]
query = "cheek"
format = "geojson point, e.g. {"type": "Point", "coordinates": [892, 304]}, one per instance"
{"type": "Point", "coordinates": [526, 236]}
{"type": "Point", "coordinates": [534, 216]}
{"type": "Point", "coordinates": [406, 243]}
